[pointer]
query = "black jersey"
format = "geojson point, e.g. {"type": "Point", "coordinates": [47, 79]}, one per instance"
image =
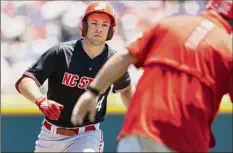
{"type": "Point", "coordinates": [69, 71]}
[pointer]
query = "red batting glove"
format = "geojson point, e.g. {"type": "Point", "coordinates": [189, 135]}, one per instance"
{"type": "Point", "coordinates": [51, 109]}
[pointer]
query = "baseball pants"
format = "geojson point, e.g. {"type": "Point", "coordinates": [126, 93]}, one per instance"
{"type": "Point", "coordinates": [91, 141]}
{"type": "Point", "coordinates": [136, 143]}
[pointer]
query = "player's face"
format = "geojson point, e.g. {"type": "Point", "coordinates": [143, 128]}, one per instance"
{"type": "Point", "coordinates": [98, 26]}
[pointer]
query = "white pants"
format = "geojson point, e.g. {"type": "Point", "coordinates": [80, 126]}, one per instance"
{"type": "Point", "coordinates": [91, 141]}
{"type": "Point", "coordinates": [136, 143]}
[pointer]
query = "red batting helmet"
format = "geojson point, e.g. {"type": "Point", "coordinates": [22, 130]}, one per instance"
{"type": "Point", "coordinates": [223, 7]}
{"type": "Point", "coordinates": [102, 7]}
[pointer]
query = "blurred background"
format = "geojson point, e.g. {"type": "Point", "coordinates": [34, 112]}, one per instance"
{"type": "Point", "coordinates": [29, 28]}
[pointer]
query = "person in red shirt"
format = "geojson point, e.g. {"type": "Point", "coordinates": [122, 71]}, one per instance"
{"type": "Point", "coordinates": [187, 63]}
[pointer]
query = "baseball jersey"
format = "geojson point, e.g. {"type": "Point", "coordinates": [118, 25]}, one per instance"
{"type": "Point", "coordinates": [69, 71]}
{"type": "Point", "coordinates": [187, 63]}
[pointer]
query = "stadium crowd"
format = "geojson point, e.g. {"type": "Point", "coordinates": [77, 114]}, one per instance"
{"type": "Point", "coordinates": [29, 28]}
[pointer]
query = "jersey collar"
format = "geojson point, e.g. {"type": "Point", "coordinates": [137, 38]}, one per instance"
{"type": "Point", "coordinates": [79, 47]}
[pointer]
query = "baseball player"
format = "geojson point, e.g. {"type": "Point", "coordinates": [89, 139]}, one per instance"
{"type": "Point", "coordinates": [70, 67]}
{"type": "Point", "coordinates": [187, 63]}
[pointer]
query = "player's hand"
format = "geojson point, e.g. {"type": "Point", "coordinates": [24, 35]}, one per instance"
{"type": "Point", "coordinates": [85, 104]}
{"type": "Point", "coordinates": [50, 108]}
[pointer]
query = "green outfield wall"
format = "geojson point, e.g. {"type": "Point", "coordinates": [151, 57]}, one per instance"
{"type": "Point", "coordinates": [21, 123]}
{"type": "Point", "coordinates": [18, 133]}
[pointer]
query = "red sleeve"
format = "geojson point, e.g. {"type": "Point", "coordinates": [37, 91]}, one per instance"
{"type": "Point", "coordinates": [141, 47]}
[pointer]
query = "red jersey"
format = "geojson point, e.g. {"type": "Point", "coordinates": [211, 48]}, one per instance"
{"type": "Point", "coordinates": [187, 63]}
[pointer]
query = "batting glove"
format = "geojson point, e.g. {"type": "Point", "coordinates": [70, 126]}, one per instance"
{"type": "Point", "coordinates": [50, 108]}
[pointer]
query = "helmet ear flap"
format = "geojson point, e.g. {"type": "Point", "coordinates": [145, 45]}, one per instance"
{"type": "Point", "coordinates": [84, 28]}
{"type": "Point", "coordinates": [111, 32]}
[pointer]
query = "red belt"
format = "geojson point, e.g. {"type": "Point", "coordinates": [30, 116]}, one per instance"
{"type": "Point", "coordinates": [68, 132]}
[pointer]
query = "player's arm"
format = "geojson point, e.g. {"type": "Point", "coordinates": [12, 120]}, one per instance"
{"type": "Point", "coordinates": [29, 84]}
{"type": "Point", "coordinates": [124, 87]}
{"type": "Point", "coordinates": [114, 68]}
{"type": "Point", "coordinates": [135, 53]}
{"type": "Point", "coordinates": [28, 88]}
{"type": "Point", "coordinates": [32, 79]}
{"type": "Point", "coordinates": [127, 94]}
